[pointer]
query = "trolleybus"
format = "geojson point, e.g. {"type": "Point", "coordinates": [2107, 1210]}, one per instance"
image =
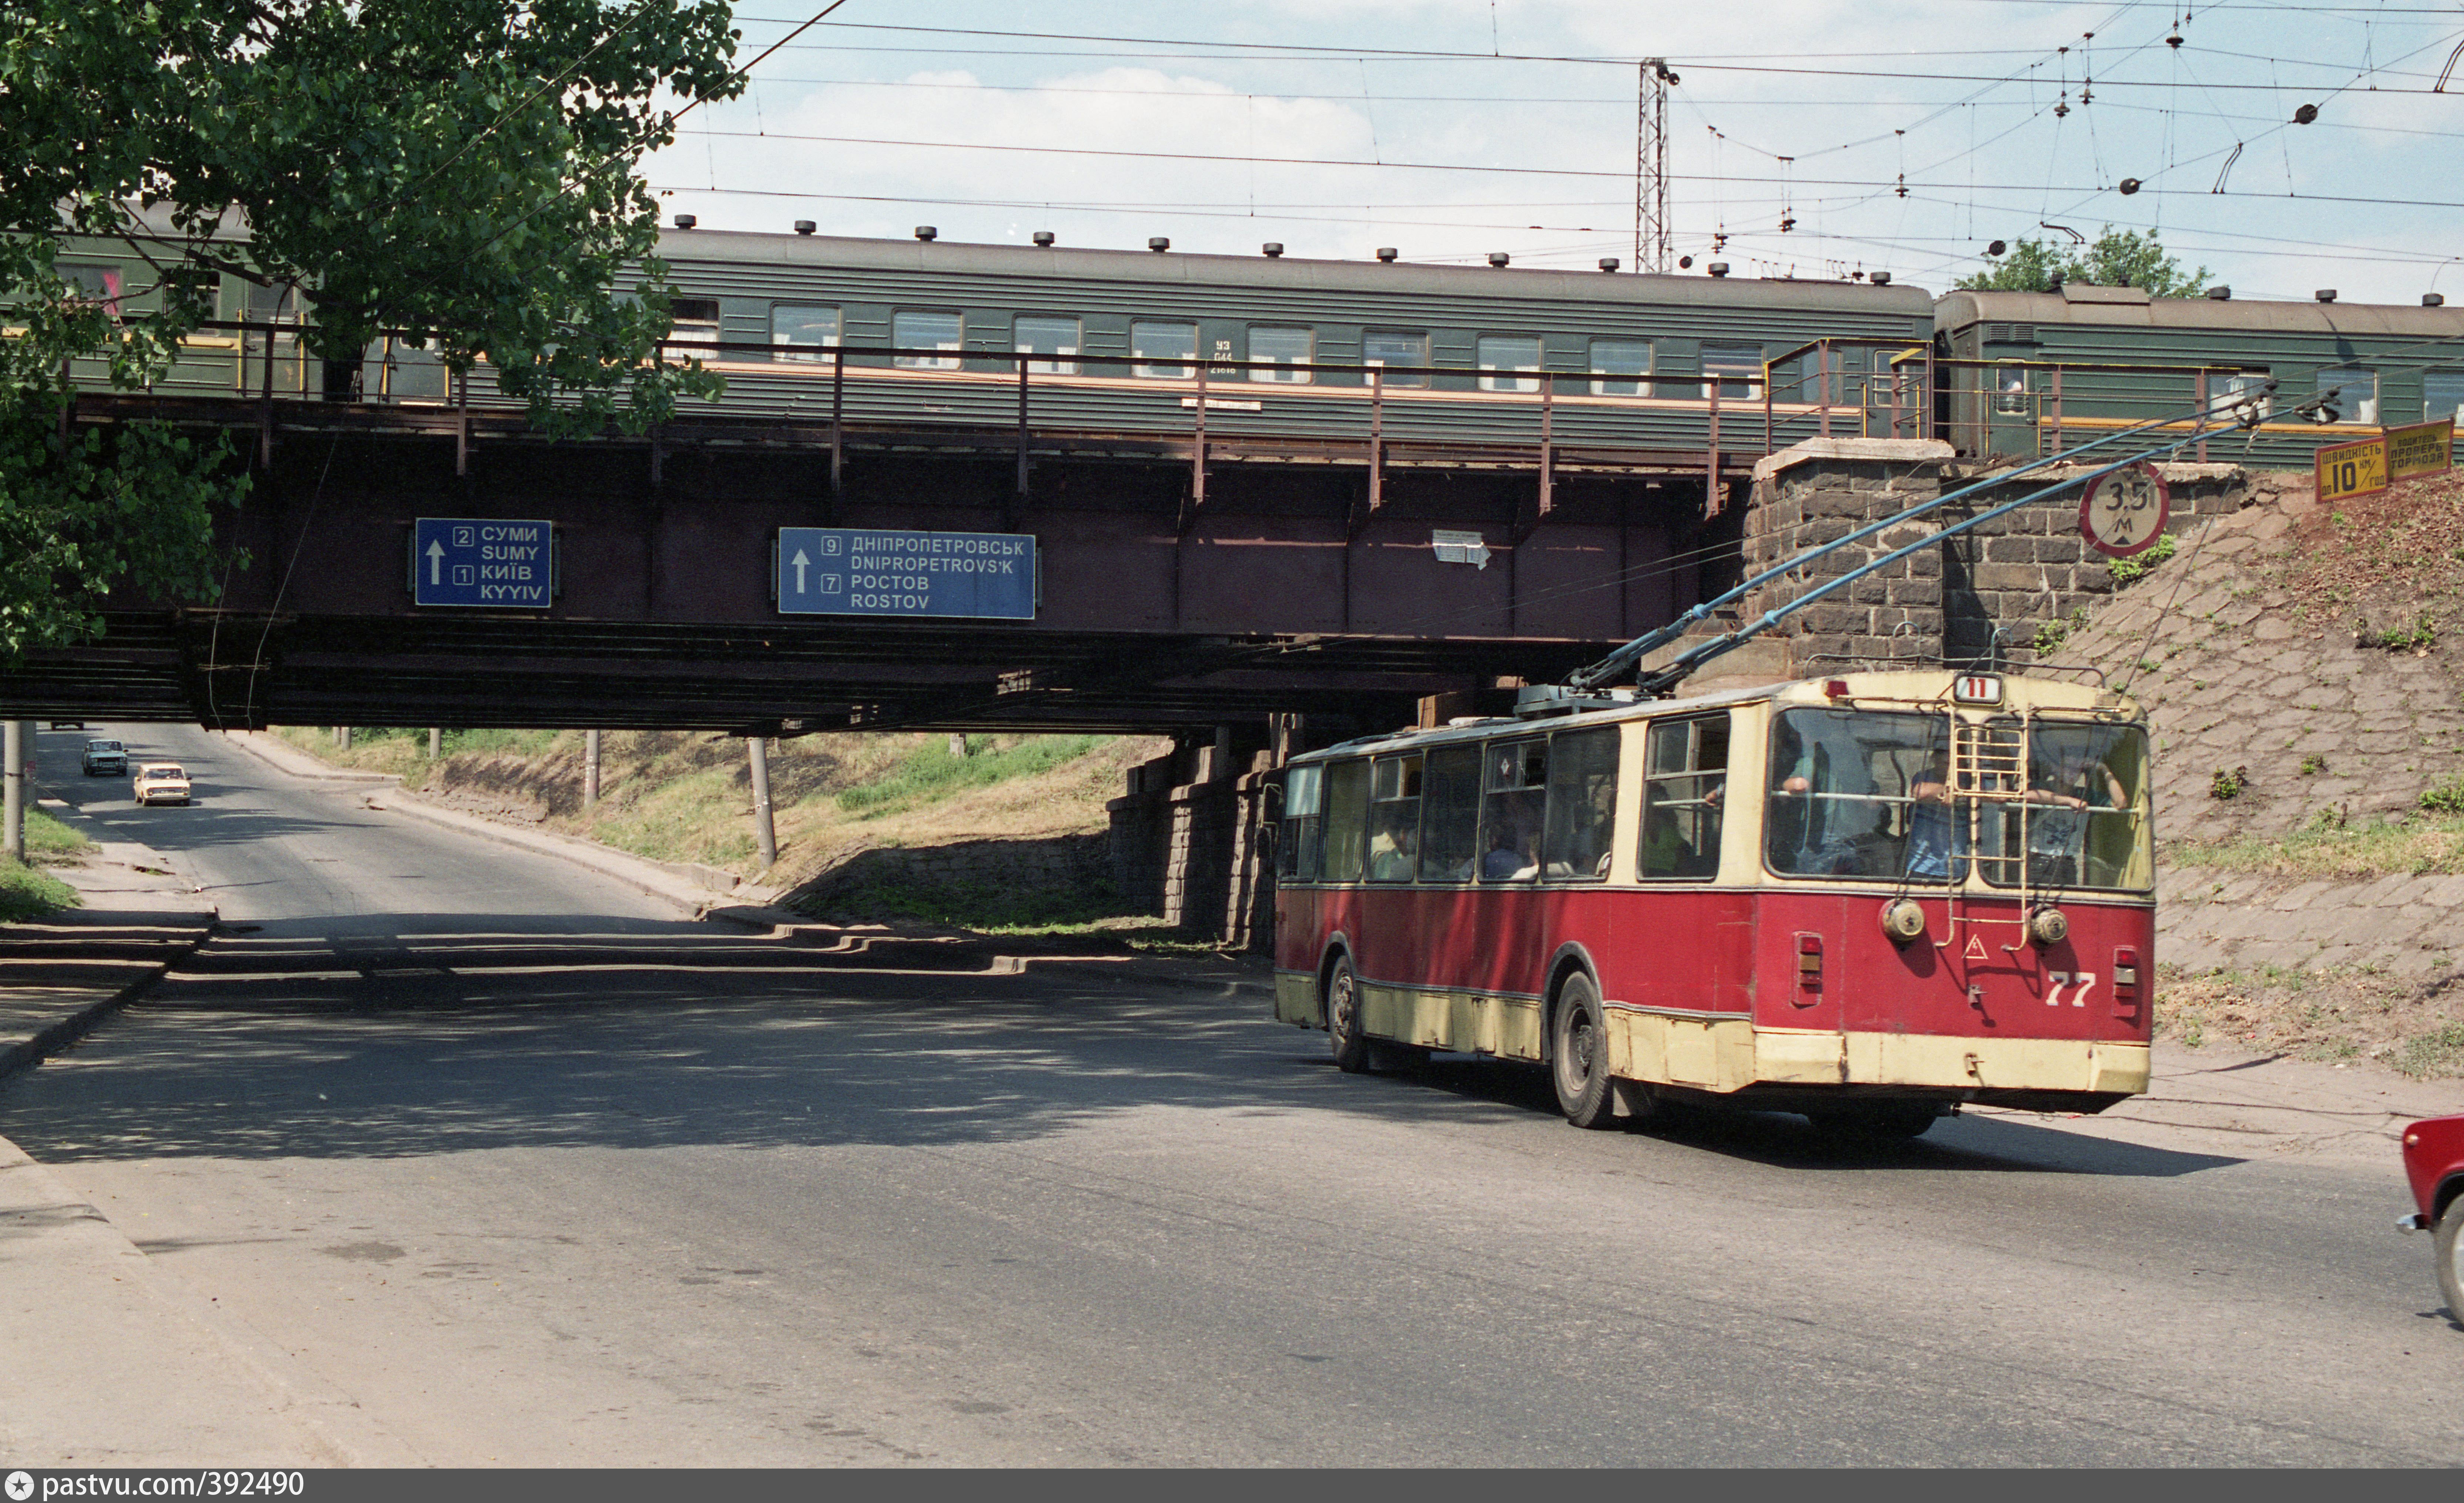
{"type": "Point", "coordinates": [1867, 898]}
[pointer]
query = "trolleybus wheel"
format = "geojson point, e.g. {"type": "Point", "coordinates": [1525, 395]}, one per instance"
{"type": "Point", "coordinates": [1578, 1054]}
{"type": "Point", "coordinates": [1876, 1121]}
{"type": "Point", "coordinates": [1343, 1032]}
{"type": "Point", "coordinates": [2447, 1242]}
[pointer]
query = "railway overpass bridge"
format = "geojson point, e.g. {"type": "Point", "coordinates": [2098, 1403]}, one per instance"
{"type": "Point", "coordinates": [1182, 586]}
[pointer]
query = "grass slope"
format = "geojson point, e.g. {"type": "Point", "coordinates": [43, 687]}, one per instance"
{"type": "Point", "coordinates": [26, 890]}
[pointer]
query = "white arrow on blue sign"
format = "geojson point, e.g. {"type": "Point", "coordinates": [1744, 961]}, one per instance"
{"type": "Point", "coordinates": [859, 571]}
{"type": "Point", "coordinates": [484, 561]}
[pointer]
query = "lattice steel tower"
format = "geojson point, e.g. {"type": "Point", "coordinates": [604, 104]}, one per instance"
{"type": "Point", "coordinates": [1650, 228]}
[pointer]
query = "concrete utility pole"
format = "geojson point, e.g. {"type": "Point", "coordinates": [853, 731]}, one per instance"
{"type": "Point", "coordinates": [765, 838]}
{"type": "Point", "coordinates": [435, 742]}
{"type": "Point", "coordinates": [590, 768]}
{"type": "Point", "coordinates": [19, 737]}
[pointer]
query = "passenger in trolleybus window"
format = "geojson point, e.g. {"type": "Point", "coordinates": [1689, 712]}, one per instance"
{"type": "Point", "coordinates": [2071, 787]}
{"type": "Point", "coordinates": [1857, 794]}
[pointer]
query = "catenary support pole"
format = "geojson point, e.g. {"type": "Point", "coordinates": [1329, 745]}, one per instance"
{"type": "Point", "coordinates": [590, 767]}
{"type": "Point", "coordinates": [756, 751]}
{"type": "Point", "coordinates": [12, 761]}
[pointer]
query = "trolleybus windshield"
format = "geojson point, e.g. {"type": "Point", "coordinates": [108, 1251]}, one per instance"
{"type": "Point", "coordinates": [1860, 793]}
{"type": "Point", "coordinates": [2084, 819]}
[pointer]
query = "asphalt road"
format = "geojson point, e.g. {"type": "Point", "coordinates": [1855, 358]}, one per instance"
{"type": "Point", "coordinates": [532, 1172]}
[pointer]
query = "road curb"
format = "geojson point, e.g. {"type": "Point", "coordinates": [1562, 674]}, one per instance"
{"type": "Point", "coordinates": [645, 877]}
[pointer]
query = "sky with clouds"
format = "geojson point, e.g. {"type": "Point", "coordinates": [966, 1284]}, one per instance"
{"type": "Point", "coordinates": [1806, 137]}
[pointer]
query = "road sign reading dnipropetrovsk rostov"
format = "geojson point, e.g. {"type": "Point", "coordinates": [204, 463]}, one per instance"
{"type": "Point", "coordinates": [462, 560]}
{"type": "Point", "coordinates": [862, 571]}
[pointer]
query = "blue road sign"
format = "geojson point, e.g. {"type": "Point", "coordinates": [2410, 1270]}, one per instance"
{"type": "Point", "coordinates": [457, 560]}
{"type": "Point", "coordinates": [859, 571]}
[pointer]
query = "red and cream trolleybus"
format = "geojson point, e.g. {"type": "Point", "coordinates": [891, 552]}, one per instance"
{"type": "Point", "coordinates": [1867, 898]}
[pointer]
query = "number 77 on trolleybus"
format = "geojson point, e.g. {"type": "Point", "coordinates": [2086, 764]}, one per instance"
{"type": "Point", "coordinates": [1866, 898]}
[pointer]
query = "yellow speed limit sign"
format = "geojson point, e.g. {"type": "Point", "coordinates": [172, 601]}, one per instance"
{"type": "Point", "coordinates": [2352, 470]}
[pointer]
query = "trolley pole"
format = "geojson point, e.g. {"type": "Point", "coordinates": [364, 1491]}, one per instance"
{"type": "Point", "coordinates": [12, 759]}
{"type": "Point", "coordinates": [756, 751]}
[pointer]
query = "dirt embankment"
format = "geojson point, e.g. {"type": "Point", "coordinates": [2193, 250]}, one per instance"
{"type": "Point", "coordinates": [2301, 668]}
{"type": "Point", "coordinates": [688, 795]}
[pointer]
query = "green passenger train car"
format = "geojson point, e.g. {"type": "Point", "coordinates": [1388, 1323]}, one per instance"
{"type": "Point", "coordinates": [2028, 374]}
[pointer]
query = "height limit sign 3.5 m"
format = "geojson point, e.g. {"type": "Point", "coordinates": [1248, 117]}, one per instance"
{"type": "Point", "coordinates": [484, 561]}
{"type": "Point", "coordinates": [860, 570]}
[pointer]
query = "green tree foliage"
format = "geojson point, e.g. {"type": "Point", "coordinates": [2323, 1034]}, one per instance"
{"type": "Point", "coordinates": [2116, 258]}
{"type": "Point", "coordinates": [461, 173]}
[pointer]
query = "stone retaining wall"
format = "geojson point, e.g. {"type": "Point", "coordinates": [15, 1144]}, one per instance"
{"type": "Point", "coordinates": [1066, 861]}
{"type": "Point", "coordinates": [2403, 926]}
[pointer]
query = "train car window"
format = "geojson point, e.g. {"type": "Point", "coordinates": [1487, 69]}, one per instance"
{"type": "Point", "coordinates": [95, 284]}
{"type": "Point", "coordinates": [1042, 336]}
{"type": "Point", "coordinates": [1162, 351]}
{"type": "Point", "coordinates": [2353, 394]}
{"type": "Point", "coordinates": [696, 319]}
{"type": "Point", "coordinates": [1738, 368]}
{"type": "Point", "coordinates": [2442, 392]}
{"type": "Point", "coordinates": [809, 329]}
{"type": "Point", "coordinates": [1685, 797]}
{"type": "Point", "coordinates": [1396, 352]}
{"type": "Point", "coordinates": [1347, 820]}
{"type": "Point", "coordinates": [916, 329]}
{"type": "Point", "coordinates": [2228, 394]}
{"type": "Point", "coordinates": [1450, 815]}
{"type": "Point", "coordinates": [1512, 810]}
{"type": "Point", "coordinates": [1501, 360]}
{"type": "Point", "coordinates": [1303, 823]}
{"type": "Point", "coordinates": [1395, 818]}
{"type": "Point", "coordinates": [1288, 349]}
{"type": "Point", "coordinates": [2011, 391]}
{"type": "Point", "coordinates": [1582, 805]}
{"type": "Point", "coordinates": [1628, 358]}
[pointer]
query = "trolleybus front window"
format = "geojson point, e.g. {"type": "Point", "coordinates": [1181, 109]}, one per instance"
{"type": "Point", "coordinates": [1861, 793]}
{"type": "Point", "coordinates": [2084, 819]}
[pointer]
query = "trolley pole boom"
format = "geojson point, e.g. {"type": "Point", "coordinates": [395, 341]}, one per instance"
{"type": "Point", "coordinates": [1598, 674]}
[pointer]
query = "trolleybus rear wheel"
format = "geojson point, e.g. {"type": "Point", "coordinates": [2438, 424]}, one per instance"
{"type": "Point", "coordinates": [2449, 1243]}
{"type": "Point", "coordinates": [1876, 1121]}
{"type": "Point", "coordinates": [1578, 1054]}
{"type": "Point", "coordinates": [1343, 1031]}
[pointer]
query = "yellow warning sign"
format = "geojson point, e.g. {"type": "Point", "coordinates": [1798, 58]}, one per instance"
{"type": "Point", "coordinates": [2352, 470]}
{"type": "Point", "coordinates": [2424, 448]}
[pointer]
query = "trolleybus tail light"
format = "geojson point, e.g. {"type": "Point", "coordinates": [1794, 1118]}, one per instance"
{"type": "Point", "coordinates": [1904, 920]}
{"type": "Point", "coordinates": [2125, 976]}
{"type": "Point", "coordinates": [1808, 962]}
{"type": "Point", "coordinates": [1976, 688]}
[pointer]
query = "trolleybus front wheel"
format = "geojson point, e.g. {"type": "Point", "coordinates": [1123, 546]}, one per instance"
{"type": "Point", "coordinates": [1343, 1031]}
{"type": "Point", "coordinates": [1578, 1054]}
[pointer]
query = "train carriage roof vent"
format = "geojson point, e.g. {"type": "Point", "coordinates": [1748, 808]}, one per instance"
{"type": "Point", "coordinates": [2325, 295]}
{"type": "Point", "coordinates": [1499, 258]}
{"type": "Point", "coordinates": [1717, 269]}
{"type": "Point", "coordinates": [927, 233]}
{"type": "Point", "coordinates": [1879, 278]}
{"type": "Point", "coordinates": [686, 220]}
{"type": "Point", "coordinates": [1387, 253]}
{"type": "Point", "coordinates": [1042, 238]}
{"type": "Point", "coordinates": [1608, 263]}
{"type": "Point", "coordinates": [2433, 300]}
{"type": "Point", "coordinates": [1271, 249]}
{"type": "Point", "coordinates": [1159, 243]}
{"type": "Point", "coordinates": [2220, 292]}
{"type": "Point", "coordinates": [806, 226]}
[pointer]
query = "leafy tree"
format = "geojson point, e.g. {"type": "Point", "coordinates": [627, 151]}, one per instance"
{"type": "Point", "coordinates": [458, 172]}
{"type": "Point", "coordinates": [2116, 258]}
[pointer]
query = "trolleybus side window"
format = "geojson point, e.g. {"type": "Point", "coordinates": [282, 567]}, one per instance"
{"type": "Point", "coordinates": [1582, 804]}
{"type": "Point", "coordinates": [1685, 796]}
{"type": "Point", "coordinates": [1450, 815]}
{"type": "Point", "coordinates": [1395, 818]}
{"type": "Point", "coordinates": [1347, 819]}
{"type": "Point", "coordinates": [1302, 824]}
{"type": "Point", "coordinates": [1513, 809]}
{"type": "Point", "coordinates": [1861, 793]}
{"type": "Point", "coordinates": [2082, 819]}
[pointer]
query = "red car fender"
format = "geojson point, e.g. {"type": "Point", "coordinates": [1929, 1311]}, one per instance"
{"type": "Point", "coordinates": [2433, 1161]}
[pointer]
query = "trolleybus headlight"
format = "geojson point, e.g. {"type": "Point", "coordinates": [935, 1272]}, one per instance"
{"type": "Point", "coordinates": [2048, 926]}
{"type": "Point", "coordinates": [1902, 920]}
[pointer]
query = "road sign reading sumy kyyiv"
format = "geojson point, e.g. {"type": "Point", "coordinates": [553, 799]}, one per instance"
{"type": "Point", "coordinates": [861, 570]}
{"type": "Point", "coordinates": [460, 560]}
